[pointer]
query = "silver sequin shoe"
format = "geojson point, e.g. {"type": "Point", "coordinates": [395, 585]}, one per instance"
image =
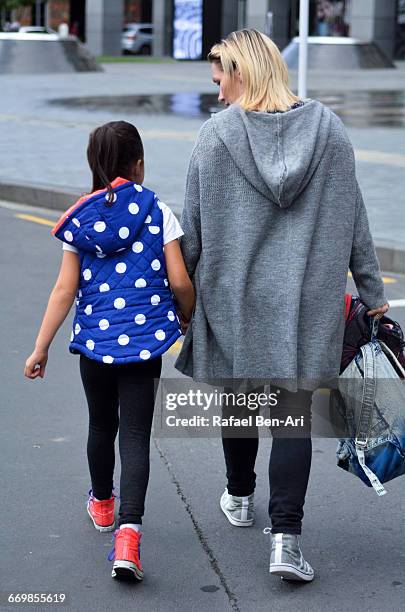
{"type": "Point", "coordinates": [238, 510]}
{"type": "Point", "coordinates": [286, 559]}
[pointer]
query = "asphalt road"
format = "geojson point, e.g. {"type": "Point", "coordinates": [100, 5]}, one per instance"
{"type": "Point", "coordinates": [193, 558]}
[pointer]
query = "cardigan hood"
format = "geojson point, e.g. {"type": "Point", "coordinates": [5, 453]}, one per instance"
{"type": "Point", "coordinates": [278, 153]}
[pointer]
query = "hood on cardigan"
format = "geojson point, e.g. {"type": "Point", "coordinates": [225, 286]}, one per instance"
{"type": "Point", "coordinates": [95, 226]}
{"type": "Point", "coordinates": [277, 152]}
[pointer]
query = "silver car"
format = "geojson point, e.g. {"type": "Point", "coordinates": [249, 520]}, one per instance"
{"type": "Point", "coordinates": [137, 38]}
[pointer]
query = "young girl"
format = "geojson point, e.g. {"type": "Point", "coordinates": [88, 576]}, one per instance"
{"type": "Point", "coordinates": [122, 262]}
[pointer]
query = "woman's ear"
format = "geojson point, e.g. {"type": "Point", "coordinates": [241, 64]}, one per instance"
{"type": "Point", "coordinates": [238, 76]}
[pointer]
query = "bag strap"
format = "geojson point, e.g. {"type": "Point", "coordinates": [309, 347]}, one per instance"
{"type": "Point", "coordinates": [367, 407]}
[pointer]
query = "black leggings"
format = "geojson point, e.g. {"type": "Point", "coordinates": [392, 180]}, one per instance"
{"type": "Point", "coordinates": [120, 396]}
{"type": "Point", "coordinates": [289, 465]}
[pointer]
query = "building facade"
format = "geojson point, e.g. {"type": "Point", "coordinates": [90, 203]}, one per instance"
{"type": "Point", "coordinates": [187, 28]}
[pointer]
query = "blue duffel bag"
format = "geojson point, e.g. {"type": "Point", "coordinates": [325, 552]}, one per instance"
{"type": "Point", "coordinates": [369, 406]}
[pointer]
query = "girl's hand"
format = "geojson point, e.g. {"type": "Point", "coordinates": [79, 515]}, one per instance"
{"type": "Point", "coordinates": [184, 323]}
{"type": "Point", "coordinates": [378, 311]}
{"type": "Point", "coordinates": [35, 364]}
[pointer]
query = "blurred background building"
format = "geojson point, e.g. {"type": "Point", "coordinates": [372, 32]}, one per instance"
{"type": "Point", "coordinates": [186, 29]}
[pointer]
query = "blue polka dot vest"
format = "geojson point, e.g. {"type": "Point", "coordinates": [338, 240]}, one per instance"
{"type": "Point", "coordinates": [124, 307]}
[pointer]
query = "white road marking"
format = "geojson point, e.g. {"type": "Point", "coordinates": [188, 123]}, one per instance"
{"type": "Point", "coordinates": [396, 303]}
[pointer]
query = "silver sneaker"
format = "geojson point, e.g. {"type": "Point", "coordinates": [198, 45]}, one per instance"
{"type": "Point", "coordinates": [238, 510]}
{"type": "Point", "coordinates": [286, 559]}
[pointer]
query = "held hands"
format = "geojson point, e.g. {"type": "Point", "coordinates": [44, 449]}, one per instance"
{"type": "Point", "coordinates": [184, 323]}
{"type": "Point", "coordinates": [378, 312]}
{"type": "Point", "coordinates": [36, 364]}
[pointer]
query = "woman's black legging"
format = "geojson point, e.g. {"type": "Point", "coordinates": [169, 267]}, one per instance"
{"type": "Point", "coordinates": [289, 465]}
{"type": "Point", "coordinates": [120, 397]}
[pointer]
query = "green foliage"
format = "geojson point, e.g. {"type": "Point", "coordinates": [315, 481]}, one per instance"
{"type": "Point", "coordinates": [13, 4]}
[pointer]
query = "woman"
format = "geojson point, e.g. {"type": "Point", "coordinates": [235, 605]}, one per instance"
{"type": "Point", "coordinates": [273, 219]}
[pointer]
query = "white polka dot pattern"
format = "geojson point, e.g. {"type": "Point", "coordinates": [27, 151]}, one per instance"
{"type": "Point", "coordinates": [121, 267]}
{"type": "Point", "coordinates": [123, 232]}
{"type": "Point", "coordinates": [133, 208]}
{"type": "Point", "coordinates": [99, 226]}
{"type": "Point", "coordinates": [137, 247]}
{"type": "Point", "coordinates": [119, 303]}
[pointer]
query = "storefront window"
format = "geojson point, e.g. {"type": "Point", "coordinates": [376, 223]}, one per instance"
{"type": "Point", "coordinates": [400, 31]}
{"type": "Point", "coordinates": [328, 18]}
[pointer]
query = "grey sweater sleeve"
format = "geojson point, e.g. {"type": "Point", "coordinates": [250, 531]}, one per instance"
{"type": "Point", "coordinates": [364, 263]}
{"type": "Point", "coordinates": [190, 219]}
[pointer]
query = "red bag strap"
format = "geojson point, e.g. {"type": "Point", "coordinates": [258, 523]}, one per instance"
{"type": "Point", "coordinates": [348, 302]}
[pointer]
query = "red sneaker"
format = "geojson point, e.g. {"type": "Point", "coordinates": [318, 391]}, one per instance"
{"type": "Point", "coordinates": [126, 554]}
{"type": "Point", "coordinates": [101, 512]}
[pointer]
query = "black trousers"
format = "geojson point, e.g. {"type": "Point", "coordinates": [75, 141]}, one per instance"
{"type": "Point", "coordinates": [120, 398]}
{"type": "Point", "coordinates": [289, 465]}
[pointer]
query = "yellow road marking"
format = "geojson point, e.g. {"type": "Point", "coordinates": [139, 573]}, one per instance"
{"type": "Point", "coordinates": [35, 219]}
{"type": "Point", "coordinates": [387, 280]}
{"type": "Point", "coordinates": [175, 348]}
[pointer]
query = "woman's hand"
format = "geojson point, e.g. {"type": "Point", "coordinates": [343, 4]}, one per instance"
{"type": "Point", "coordinates": [36, 364]}
{"type": "Point", "coordinates": [379, 311]}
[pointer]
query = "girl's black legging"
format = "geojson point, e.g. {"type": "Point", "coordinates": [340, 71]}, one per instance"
{"type": "Point", "coordinates": [289, 465]}
{"type": "Point", "coordinates": [120, 397]}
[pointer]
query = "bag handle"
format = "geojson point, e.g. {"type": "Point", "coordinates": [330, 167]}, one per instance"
{"type": "Point", "coordinates": [374, 326]}
{"type": "Point", "coordinates": [368, 395]}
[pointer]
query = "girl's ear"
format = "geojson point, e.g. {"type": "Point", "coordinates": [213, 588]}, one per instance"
{"type": "Point", "coordinates": [139, 170]}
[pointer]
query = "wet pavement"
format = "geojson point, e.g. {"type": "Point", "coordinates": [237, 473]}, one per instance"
{"type": "Point", "coordinates": [355, 108]}
{"type": "Point", "coordinates": [168, 103]}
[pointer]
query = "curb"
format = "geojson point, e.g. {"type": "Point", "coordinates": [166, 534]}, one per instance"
{"type": "Point", "coordinates": [391, 256]}
{"type": "Point", "coordinates": [39, 194]}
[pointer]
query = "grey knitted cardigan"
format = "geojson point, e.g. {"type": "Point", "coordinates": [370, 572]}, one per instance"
{"type": "Point", "coordinates": [273, 220]}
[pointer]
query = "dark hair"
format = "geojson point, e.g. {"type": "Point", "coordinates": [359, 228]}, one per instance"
{"type": "Point", "coordinates": [112, 151]}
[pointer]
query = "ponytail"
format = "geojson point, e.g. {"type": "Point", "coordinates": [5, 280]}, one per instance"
{"type": "Point", "coordinates": [112, 151]}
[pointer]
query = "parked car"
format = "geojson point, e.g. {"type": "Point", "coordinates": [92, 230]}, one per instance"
{"type": "Point", "coordinates": [36, 30]}
{"type": "Point", "coordinates": [137, 38]}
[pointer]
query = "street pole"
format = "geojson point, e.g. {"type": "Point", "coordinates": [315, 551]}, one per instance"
{"type": "Point", "coordinates": [38, 12]}
{"type": "Point", "coordinates": [303, 49]}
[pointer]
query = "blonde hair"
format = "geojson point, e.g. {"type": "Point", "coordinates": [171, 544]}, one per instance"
{"type": "Point", "coordinates": [262, 69]}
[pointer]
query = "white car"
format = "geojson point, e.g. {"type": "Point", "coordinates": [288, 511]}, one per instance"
{"type": "Point", "coordinates": [137, 38]}
{"type": "Point", "coordinates": [36, 30]}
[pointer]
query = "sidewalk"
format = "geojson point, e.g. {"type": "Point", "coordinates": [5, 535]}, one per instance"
{"type": "Point", "coordinates": [42, 143]}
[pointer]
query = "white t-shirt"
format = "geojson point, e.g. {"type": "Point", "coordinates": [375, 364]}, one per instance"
{"type": "Point", "coordinates": [171, 228]}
